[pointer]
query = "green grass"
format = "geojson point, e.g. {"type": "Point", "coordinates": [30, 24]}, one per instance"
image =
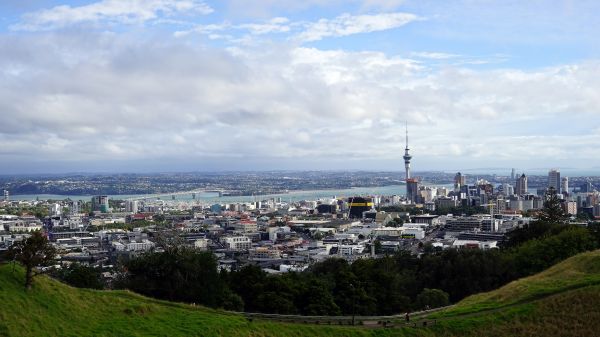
{"type": "Point", "coordinates": [570, 313]}
{"type": "Point", "coordinates": [51, 308]}
{"type": "Point", "coordinates": [576, 272]}
{"type": "Point", "coordinates": [562, 301]}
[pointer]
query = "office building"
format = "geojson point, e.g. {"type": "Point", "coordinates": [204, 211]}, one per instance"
{"type": "Point", "coordinates": [554, 180]}
{"type": "Point", "coordinates": [459, 180]}
{"type": "Point", "coordinates": [131, 206]}
{"type": "Point", "coordinates": [100, 203]}
{"type": "Point", "coordinates": [521, 185]}
{"type": "Point", "coordinates": [564, 185]}
{"type": "Point", "coordinates": [412, 190]}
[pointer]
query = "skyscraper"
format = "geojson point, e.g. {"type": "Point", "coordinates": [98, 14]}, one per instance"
{"type": "Point", "coordinates": [407, 157]}
{"type": "Point", "coordinates": [459, 180]}
{"type": "Point", "coordinates": [412, 190]}
{"type": "Point", "coordinates": [521, 185]}
{"type": "Point", "coordinates": [554, 180]}
{"type": "Point", "coordinates": [512, 174]}
{"type": "Point", "coordinates": [6, 196]}
{"type": "Point", "coordinates": [564, 185]}
{"type": "Point", "coordinates": [100, 203]}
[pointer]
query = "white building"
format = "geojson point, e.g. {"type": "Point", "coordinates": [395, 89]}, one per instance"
{"type": "Point", "coordinates": [131, 206]}
{"type": "Point", "coordinates": [21, 226]}
{"type": "Point", "coordinates": [388, 231]}
{"type": "Point", "coordinates": [55, 210]}
{"type": "Point", "coordinates": [237, 242]}
{"type": "Point", "coordinates": [475, 244]}
{"type": "Point", "coordinates": [201, 244]}
{"type": "Point", "coordinates": [135, 246]}
{"type": "Point", "coordinates": [417, 232]}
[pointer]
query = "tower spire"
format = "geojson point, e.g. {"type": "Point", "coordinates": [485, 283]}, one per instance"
{"type": "Point", "coordinates": [407, 157]}
{"type": "Point", "coordinates": [406, 128]}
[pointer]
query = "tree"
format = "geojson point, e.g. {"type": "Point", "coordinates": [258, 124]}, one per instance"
{"type": "Point", "coordinates": [397, 222]}
{"type": "Point", "coordinates": [318, 235]}
{"type": "Point", "coordinates": [177, 274]}
{"type": "Point", "coordinates": [81, 276]}
{"type": "Point", "coordinates": [432, 298]}
{"type": "Point", "coordinates": [32, 252]}
{"type": "Point", "coordinates": [552, 211]}
{"type": "Point", "coordinates": [316, 299]}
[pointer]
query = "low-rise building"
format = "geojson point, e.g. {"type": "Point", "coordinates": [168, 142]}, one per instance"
{"type": "Point", "coordinates": [263, 253]}
{"type": "Point", "coordinates": [237, 242]}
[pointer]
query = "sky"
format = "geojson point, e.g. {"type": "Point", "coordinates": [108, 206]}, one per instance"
{"type": "Point", "coordinates": [191, 85]}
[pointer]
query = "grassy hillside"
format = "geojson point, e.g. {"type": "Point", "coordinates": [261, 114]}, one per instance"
{"type": "Point", "coordinates": [562, 301]}
{"type": "Point", "coordinates": [576, 272]}
{"type": "Point", "coordinates": [54, 309]}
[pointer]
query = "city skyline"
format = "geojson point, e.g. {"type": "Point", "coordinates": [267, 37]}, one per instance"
{"type": "Point", "coordinates": [186, 85]}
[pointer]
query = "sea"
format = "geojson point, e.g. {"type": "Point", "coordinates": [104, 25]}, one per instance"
{"type": "Point", "coordinates": [210, 197]}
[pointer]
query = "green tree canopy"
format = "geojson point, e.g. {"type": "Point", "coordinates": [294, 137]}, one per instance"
{"type": "Point", "coordinates": [432, 298]}
{"type": "Point", "coordinates": [32, 252]}
{"type": "Point", "coordinates": [552, 211]}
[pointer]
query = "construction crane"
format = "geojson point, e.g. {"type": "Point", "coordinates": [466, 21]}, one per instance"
{"type": "Point", "coordinates": [491, 206]}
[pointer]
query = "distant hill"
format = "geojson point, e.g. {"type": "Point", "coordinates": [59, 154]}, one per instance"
{"type": "Point", "coordinates": [561, 301]}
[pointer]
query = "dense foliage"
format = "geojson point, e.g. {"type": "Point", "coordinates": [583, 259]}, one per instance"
{"type": "Point", "coordinates": [80, 276]}
{"type": "Point", "coordinates": [180, 274]}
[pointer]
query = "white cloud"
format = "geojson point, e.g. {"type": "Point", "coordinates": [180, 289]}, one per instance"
{"type": "Point", "coordinates": [118, 11]}
{"type": "Point", "coordinates": [210, 29]}
{"type": "Point", "coordinates": [302, 31]}
{"type": "Point", "coordinates": [116, 96]}
{"type": "Point", "coordinates": [275, 25]}
{"type": "Point", "coordinates": [347, 24]}
{"type": "Point", "coordinates": [434, 55]}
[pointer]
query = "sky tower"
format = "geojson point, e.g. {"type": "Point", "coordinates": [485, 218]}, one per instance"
{"type": "Point", "coordinates": [407, 157]}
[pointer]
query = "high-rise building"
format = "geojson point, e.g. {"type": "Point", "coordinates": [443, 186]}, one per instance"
{"type": "Point", "coordinates": [6, 196]}
{"type": "Point", "coordinates": [131, 206]}
{"type": "Point", "coordinates": [54, 210]}
{"type": "Point", "coordinates": [512, 174]}
{"type": "Point", "coordinates": [508, 189]}
{"type": "Point", "coordinates": [586, 187]}
{"type": "Point", "coordinates": [407, 157]}
{"type": "Point", "coordinates": [100, 203]}
{"type": "Point", "coordinates": [521, 185]}
{"type": "Point", "coordinates": [74, 207]}
{"type": "Point", "coordinates": [459, 180]}
{"type": "Point", "coordinates": [412, 190]}
{"type": "Point", "coordinates": [564, 185]}
{"type": "Point", "coordinates": [554, 180]}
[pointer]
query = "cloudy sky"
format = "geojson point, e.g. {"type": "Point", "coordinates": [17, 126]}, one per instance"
{"type": "Point", "coordinates": [190, 85]}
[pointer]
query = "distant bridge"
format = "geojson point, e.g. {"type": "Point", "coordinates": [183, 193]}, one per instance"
{"type": "Point", "coordinates": [173, 195]}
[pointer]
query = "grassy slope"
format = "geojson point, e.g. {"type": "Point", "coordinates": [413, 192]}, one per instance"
{"type": "Point", "coordinates": [576, 272]}
{"type": "Point", "coordinates": [562, 301]}
{"type": "Point", "coordinates": [54, 309]}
